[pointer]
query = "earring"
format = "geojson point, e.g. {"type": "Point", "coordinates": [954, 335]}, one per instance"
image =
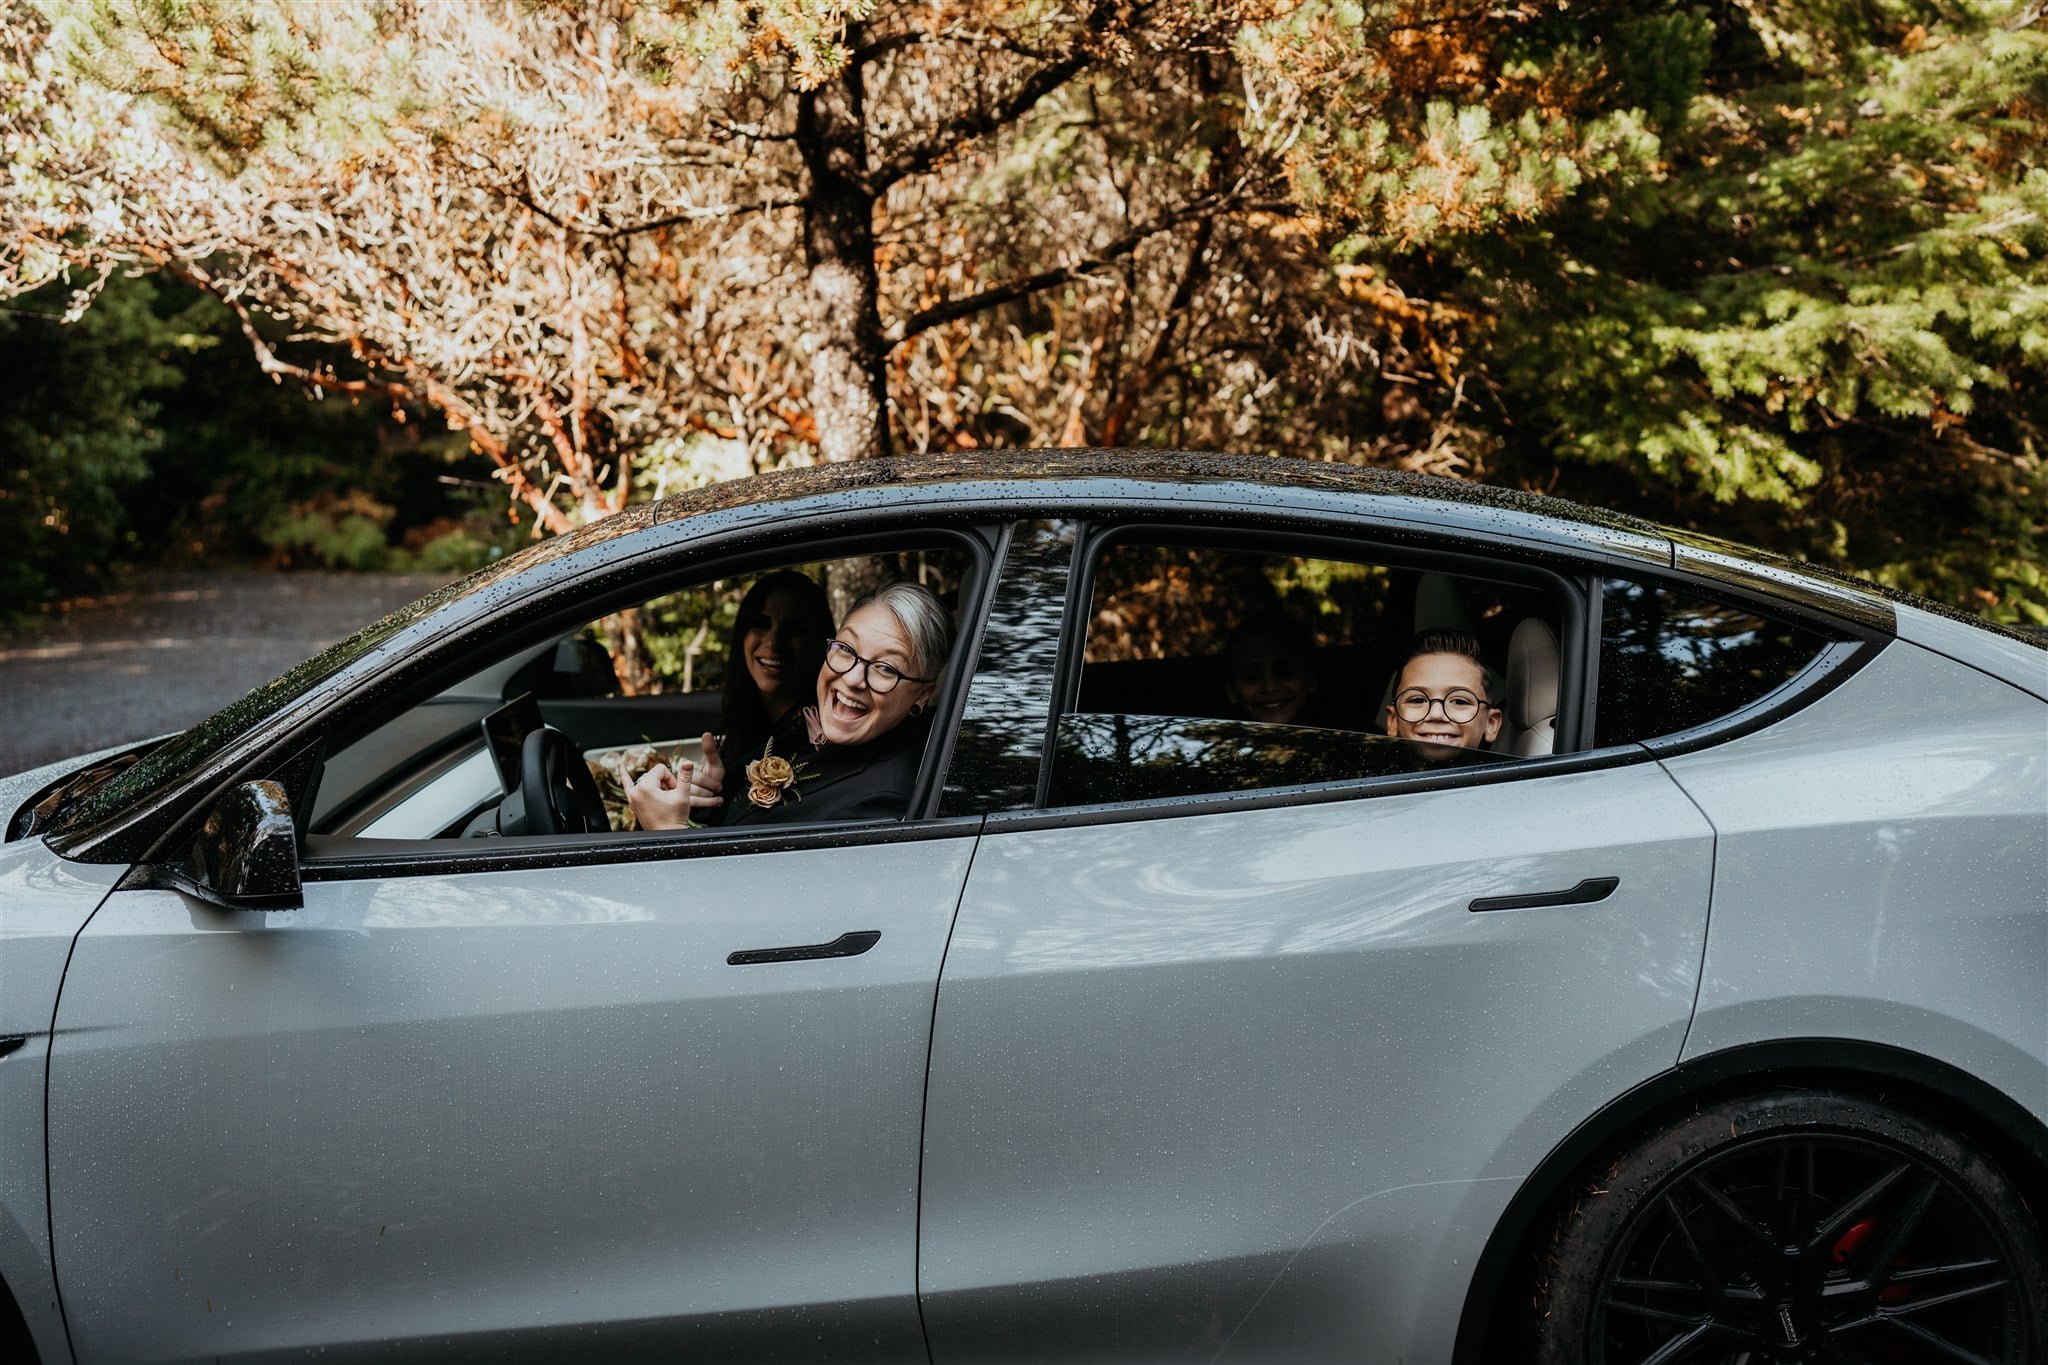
{"type": "Point", "coordinates": [917, 708]}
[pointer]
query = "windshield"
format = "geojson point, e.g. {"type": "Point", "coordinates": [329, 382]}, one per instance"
{"type": "Point", "coordinates": [187, 753]}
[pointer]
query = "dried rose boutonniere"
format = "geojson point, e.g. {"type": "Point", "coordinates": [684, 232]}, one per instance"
{"type": "Point", "coordinates": [769, 779]}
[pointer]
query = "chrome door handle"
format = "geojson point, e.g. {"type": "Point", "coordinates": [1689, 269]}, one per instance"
{"type": "Point", "coordinates": [851, 944]}
{"type": "Point", "coordinates": [1585, 893]}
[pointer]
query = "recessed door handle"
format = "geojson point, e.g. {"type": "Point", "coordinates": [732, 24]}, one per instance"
{"type": "Point", "coordinates": [851, 944]}
{"type": "Point", "coordinates": [1585, 893]}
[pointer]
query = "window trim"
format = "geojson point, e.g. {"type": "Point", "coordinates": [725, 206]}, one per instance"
{"type": "Point", "coordinates": [1356, 545]}
{"type": "Point", "coordinates": [979, 540]}
{"type": "Point", "coordinates": [1581, 580]}
{"type": "Point", "coordinates": [1312, 794]}
{"type": "Point", "coordinates": [381, 858]}
{"type": "Point", "coordinates": [1854, 645]}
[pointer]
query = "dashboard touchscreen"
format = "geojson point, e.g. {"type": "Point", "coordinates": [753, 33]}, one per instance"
{"type": "Point", "coordinates": [505, 732]}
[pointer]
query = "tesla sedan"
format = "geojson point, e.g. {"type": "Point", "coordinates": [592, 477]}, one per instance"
{"type": "Point", "coordinates": [1340, 916]}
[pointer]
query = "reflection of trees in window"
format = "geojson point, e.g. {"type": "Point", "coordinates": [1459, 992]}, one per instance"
{"type": "Point", "coordinates": [1136, 758]}
{"type": "Point", "coordinates": [1170, 601]}
{"type": "Point", "coordinates": [1669, 661]}
{"type": "Point", "coordinates": [1001, 740]}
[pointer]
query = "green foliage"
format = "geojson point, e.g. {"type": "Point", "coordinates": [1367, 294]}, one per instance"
{"type": "Point", "coordinates": [78, 428]}
{"type": "Point", "coordinates": [1827, 314]}
{"type": "Point", "coordinates": [265, 73]}
{"type": "Point", "coordinates": [454, 552]}
{"type": "Point", "coordinates": [1770, 267]}
{"type": "Point", "coordinates": [143, 432]}
{"type": "Point", "coordinates": [1407, 124]}
{"type": "Point", "coordinates": [342, 532]}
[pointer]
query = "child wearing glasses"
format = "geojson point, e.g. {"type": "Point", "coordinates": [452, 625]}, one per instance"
{"type": "Point", "coordinates": [1440, 694]}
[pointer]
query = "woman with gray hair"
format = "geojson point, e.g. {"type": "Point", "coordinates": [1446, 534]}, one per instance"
{"type": "Point", "coordinates": [853, 756]}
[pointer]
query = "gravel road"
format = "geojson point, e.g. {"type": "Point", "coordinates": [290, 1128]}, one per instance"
{"type": "Point", "coordinates": [172, 651]}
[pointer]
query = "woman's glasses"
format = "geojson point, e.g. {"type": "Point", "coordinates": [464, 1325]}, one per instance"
{"type": "Point", "coordinates": [881, 677]}
{"type": "Point", "coordinates": [1460, 706]}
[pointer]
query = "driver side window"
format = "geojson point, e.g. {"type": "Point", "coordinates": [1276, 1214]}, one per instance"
{"type": "Point", "coordinates": [637, 687]}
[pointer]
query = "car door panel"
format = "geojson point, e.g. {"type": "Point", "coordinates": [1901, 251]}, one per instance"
{"type": "Point", "coordinates": [505, 1111]}
{"type": "Point", "coordinates": [1193, 1076]}
{"type": "Point", "coordinates": [44, 901]}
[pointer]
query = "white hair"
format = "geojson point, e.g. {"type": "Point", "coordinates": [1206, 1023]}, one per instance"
{"type": "Point", "coordinates": [924, 619]}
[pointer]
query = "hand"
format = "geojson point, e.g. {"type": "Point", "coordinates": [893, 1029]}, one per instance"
{"type": "Point", "coordinates": [710, 774]}
{"type": "Point", "coordinates": [663, 798]}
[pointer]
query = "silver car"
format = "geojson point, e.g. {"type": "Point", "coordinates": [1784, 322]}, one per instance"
{"type": "Point", "coordinates": [1683, 1001]}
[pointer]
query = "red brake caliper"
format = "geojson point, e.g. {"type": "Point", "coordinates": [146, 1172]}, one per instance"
{"type": "Point", "coordinates": [1859, 1233]}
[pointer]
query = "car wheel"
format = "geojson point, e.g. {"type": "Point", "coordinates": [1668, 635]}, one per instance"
{"type": "Point", "coordinates": [1797, 1226]}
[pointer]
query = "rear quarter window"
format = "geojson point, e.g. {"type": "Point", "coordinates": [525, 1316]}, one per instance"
{"type": "Point", "coordinates": [1670, 660]}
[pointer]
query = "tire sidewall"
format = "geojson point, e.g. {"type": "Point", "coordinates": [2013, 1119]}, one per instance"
{"type": "Point", "coordinates": [1594, 1228]}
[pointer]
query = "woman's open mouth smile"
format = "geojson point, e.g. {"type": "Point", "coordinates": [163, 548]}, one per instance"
{"type": "Point", "coordinates": [847, 707]}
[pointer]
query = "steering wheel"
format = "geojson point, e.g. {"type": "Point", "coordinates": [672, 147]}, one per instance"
{"type": "Point", "coordinates": [556, 788]}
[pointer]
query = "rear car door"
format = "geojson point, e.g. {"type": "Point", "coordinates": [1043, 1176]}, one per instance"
{"type": "Point", "coordinates": [1256, 1072]}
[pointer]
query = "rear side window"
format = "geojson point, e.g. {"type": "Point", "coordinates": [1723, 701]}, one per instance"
{"type": "Point", "coordinates": [1670, 661]}
{"type": "Point", "coordinates": [1209, 669]}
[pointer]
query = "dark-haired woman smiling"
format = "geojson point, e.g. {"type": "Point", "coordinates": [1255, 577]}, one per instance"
{"type": "Point", "coordinates": [852, 756]}
{"type": "Point", "coordinates": [778, 644]}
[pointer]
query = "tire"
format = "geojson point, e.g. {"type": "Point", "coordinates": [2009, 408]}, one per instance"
{"type": "Point", "coordinates": [1796, 1226]}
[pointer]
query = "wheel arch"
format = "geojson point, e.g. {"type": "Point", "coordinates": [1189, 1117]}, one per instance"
{"type": "Point", "coordinates": [17, 1343]}
{"type": "Point", "coordinates": [2015, 1138]}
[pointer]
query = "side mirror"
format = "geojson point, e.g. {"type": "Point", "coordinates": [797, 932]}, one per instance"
{"type": "Point", "coordinates": [247, 854]}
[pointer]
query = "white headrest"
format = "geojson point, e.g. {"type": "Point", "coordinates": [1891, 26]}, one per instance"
{"type": "Point", "coordinates": [1532, 675]}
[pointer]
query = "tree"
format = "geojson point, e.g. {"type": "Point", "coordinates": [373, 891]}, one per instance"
{"type": "Point", "coordinates": [77, 430]}
{"type": "Point", "coordinates": [1804, 301]}
{"type": "Point", "coordinates": [1770, 267]}
{"type": "Point", "coordinates": [584, 232]}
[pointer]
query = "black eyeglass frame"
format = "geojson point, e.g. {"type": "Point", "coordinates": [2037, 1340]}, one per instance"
{"type": "Point", "coordinates": [835, 648]}
{"type": "Point", "coordinates": [1479, 703]}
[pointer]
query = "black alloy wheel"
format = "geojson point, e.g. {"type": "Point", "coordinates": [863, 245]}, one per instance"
{"type": "Point", "coordinates": [1798, 1227]}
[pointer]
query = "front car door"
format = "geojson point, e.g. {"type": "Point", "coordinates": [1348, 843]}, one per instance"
{"type": "Point", "coordinates": [515, 1097]}
{"type": "Point", "coordinates": [1254, 1073]}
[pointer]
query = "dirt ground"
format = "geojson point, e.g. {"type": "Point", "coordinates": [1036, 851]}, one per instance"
{"type": "Point", "coordinates": [172, 650]}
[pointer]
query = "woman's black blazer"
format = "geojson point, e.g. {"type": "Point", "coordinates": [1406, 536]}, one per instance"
{"type": "Point", "coordinates": [872, 781]}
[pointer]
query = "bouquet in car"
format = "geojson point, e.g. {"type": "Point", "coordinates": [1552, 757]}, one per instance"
{"type": "Point", "coordinates": [614, 770]}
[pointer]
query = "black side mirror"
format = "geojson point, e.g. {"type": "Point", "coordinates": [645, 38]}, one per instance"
{"type": "Point", "coordinates": [247, 854]}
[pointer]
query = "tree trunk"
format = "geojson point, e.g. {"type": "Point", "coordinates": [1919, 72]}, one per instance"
{"type": "Point", "coordinates": [849, 385]}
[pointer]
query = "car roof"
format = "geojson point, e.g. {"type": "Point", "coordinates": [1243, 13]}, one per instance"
{"type": "Point", "coordinates": [1018, 481]}
{"type": "Point", "coordinates": [1087, 474]}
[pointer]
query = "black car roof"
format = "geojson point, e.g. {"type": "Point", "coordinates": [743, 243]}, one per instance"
{"type": "Point", "coordinates": [1038, 468]}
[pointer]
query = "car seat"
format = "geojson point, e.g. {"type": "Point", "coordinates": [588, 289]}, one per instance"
{"type": "Point", "coordinates": [1529, 720]}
